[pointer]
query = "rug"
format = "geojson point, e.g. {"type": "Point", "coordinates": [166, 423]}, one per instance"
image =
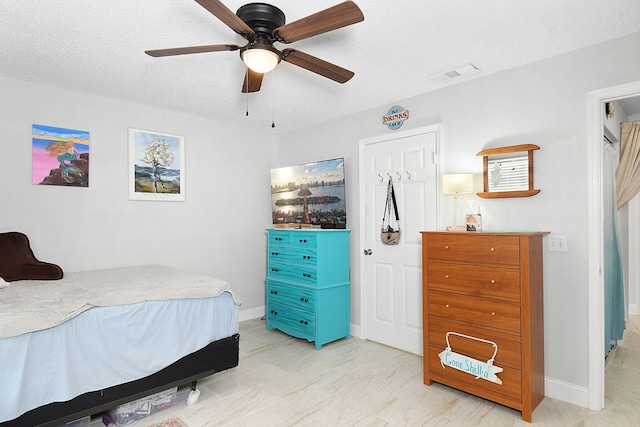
{"type": "Point", "coordinates": [170, 422]}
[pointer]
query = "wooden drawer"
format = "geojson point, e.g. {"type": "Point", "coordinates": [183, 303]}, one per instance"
{"type": "Point", "coordinates": [297, 322]}
{"type": "Point", "coordinates": [511, 387]}
{"type": "Point", "coordinates": [475, 248]}
{"type": "Point", "coordinates": [509, 346]}
{"type": "Point", "coordinates": [291, 295]}
{"type": "Point", "coordinates": [476, 280]}
{"type": "Point", "coordinates": [491, 313]}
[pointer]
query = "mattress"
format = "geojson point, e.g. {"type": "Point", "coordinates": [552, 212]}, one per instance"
{"type": "Point", "coordinates": [102, 346]}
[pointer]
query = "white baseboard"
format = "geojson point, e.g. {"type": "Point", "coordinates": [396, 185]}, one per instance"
{"type": "Point", "coordinates": [356, 331]}
{"type": "Point", "coordinates": [633, 309]}
{"type": "Point", "coordinates": [566, 392]}
{"type": "Point", "coordinates": [251, 313]}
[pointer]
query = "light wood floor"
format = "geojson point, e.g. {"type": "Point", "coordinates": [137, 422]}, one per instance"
{"type": "Point", "coordinates": [283, 381]}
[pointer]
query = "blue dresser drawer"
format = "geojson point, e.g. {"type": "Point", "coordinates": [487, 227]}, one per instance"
{"type": "Point", "coordinates": [304, 240]}
{"type": "Point", "coordinates": [296, 322]}
{"type": "Point", "coordinates": [291, 272]}
{"type": "Point", "coordinates": [293, 255]}
{"type": "Point", "coordinates": [279, 238]}
{"type": "Point", "coordinates": [291, 295]}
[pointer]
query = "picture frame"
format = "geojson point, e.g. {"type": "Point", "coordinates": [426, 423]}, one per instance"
{"type": "Point", "coordinates": [309, 195]}
{"type": "Point", "coordinates": [156, 166]}
{"type": "Point", "coordinates": [59, 156]}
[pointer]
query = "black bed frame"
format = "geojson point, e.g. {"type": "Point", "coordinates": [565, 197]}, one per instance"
{"type": "Point", "coordinates": [215, 357]}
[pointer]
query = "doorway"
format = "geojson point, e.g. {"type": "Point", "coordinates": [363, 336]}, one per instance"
{"type": "Point", "coordinates": [595, 125]}
{"type": "Point", "coordinates": [391, 282]}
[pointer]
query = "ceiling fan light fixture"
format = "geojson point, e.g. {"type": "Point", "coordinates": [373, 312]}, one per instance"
{"type": "Point", "coordinates": [260, 60]}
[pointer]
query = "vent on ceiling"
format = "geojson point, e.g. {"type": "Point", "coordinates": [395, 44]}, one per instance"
{"type": "Point", "coordinates": [462, 71]}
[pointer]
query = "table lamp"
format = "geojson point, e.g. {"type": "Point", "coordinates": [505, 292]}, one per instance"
{"type": "Point", "coordinates": [457, 183]}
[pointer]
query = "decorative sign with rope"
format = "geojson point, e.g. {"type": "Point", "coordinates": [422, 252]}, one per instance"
{"type": "Point", "coordinates": [485, 370]}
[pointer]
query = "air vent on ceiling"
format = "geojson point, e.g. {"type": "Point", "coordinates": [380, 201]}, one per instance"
{"type": "Point", "coordinates": [462, 71]}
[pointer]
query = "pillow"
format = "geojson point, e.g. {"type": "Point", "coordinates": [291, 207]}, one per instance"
{"type": "Point", "coordinates": [17, 261]}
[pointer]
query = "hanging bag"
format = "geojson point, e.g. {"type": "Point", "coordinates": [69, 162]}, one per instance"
{"type": "Point", "coordinates": [388, 234]}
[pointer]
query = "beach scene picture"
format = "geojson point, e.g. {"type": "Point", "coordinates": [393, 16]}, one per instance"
{"type": "Point", "coordinates": [311, 193]}
{"type": "Point", "coordinates": [157, 166]}
{"type": "Point", "coordinates": [59, 156]}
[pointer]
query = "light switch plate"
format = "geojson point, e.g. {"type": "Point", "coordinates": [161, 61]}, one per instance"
{"type": "Point", "coordinates": [557, 243]}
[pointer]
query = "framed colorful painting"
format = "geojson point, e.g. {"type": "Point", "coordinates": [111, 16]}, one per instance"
{"type": "Point", "coordinates": [59, 156]}
{"type": "Point", "coordinates": [156, 166]}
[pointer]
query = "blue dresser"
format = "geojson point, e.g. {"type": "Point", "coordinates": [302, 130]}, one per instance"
{"type": "Point", "coordinates": [308, 284]}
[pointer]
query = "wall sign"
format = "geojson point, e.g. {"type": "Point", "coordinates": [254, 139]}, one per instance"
{"type": "Point", "coordinates": [485, 370]}
{"type": "Point", "coordinates": [395, 117]}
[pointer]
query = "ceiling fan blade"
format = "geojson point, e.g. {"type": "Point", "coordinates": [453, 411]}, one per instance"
{"type": "Point", "coordinates": [223, 13]}
{"type": "Point", "coordinates": [191, 49]}
{"type": "Point", "coordinates": [253, 80]}
{"type": "Point", "coordinates": [317, 65]}
{"type": "Point", "coordinates": [335, 17]}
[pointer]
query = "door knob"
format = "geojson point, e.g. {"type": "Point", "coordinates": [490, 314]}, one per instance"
{"type": "Point", "coordinates": [368, 251]}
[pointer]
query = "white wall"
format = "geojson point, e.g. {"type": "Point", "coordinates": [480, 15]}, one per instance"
{"type": "Point", "coordinates": [218, 230]}
{"type": "Point", "coordinates": [543, 103]}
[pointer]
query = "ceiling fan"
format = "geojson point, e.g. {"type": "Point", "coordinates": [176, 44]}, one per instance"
{"type": "Point", "coordinates": [263, 24]}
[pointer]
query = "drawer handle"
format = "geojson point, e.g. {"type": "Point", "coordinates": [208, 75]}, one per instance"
{"type": "Point", "coordinates": [278, 239]}
{"type": "Point", "coordinates": [446, 305]}
{"type": "Point", "coordinates": [306, 257]}
{"type": "Point", "coordinates": [306, 275]}
{"type": "Point", "coordinates": [274, 269]}
{"type": "Point", "coordinates": [492, 249]}
{"type": "Point", "coordinates": [303, 240]}
{"type": "Point", "coordinates": [493, 313]}
{"type": "Point", "coordinates": [304, 322]}
{"type": "Point", "coordinates": [274, 292]}
{"type": "Point", "coordinates": [274, 253]}
{"type": "Point", "coordinates": [446, 276]}
{"type": "Point", "coordinates": [303, 299]}
{"type": "Point", "coordinates": [446, 246]}
{"type": "Point", "coordinates": [493, 281]}
{"type": "Point", "coordinates": [275, 313]}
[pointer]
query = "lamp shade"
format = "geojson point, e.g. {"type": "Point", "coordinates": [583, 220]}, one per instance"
{"type": "Point", "coordinates": [457, 183]}
{"type": "Point", "coordinates": [260, 60]}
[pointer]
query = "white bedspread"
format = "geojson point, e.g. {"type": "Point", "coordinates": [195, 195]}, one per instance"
{"type": "Point", "coordinates": [32, 305]}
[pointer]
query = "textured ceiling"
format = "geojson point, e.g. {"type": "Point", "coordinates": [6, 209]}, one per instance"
{"type": "Point", "coordinates": [98, 47]}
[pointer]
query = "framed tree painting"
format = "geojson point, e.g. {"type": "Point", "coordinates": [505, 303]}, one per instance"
{"type": "Point", "coordinates": [156, 166]}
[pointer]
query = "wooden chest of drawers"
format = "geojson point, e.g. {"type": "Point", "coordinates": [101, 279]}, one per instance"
{"type": "Point", "coordinates": [308, 284]}
{"type": "Point", "coordinates": [486, 286]}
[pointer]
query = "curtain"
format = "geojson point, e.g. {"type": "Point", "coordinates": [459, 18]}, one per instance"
{"type": "Point", "coordinates": [628, 173]}
{"type": "Point", "coordinates": [613, 276]}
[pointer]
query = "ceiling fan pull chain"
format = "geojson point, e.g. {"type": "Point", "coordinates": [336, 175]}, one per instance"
{"type": "Point", "coordinates": [273, 99]}
{"type": "Point", "coordinates": [246, 79]}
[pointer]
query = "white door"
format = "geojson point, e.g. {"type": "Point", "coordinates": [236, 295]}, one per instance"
{"type": "Point", "coordinates": [392, 279]}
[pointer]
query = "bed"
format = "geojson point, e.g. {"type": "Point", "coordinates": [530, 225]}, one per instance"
{"type": "Point", "coordinates": [93, 340]}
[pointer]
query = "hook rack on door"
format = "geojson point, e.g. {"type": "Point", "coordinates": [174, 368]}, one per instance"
{"type": "Point", "coordinates": [409, 177]}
